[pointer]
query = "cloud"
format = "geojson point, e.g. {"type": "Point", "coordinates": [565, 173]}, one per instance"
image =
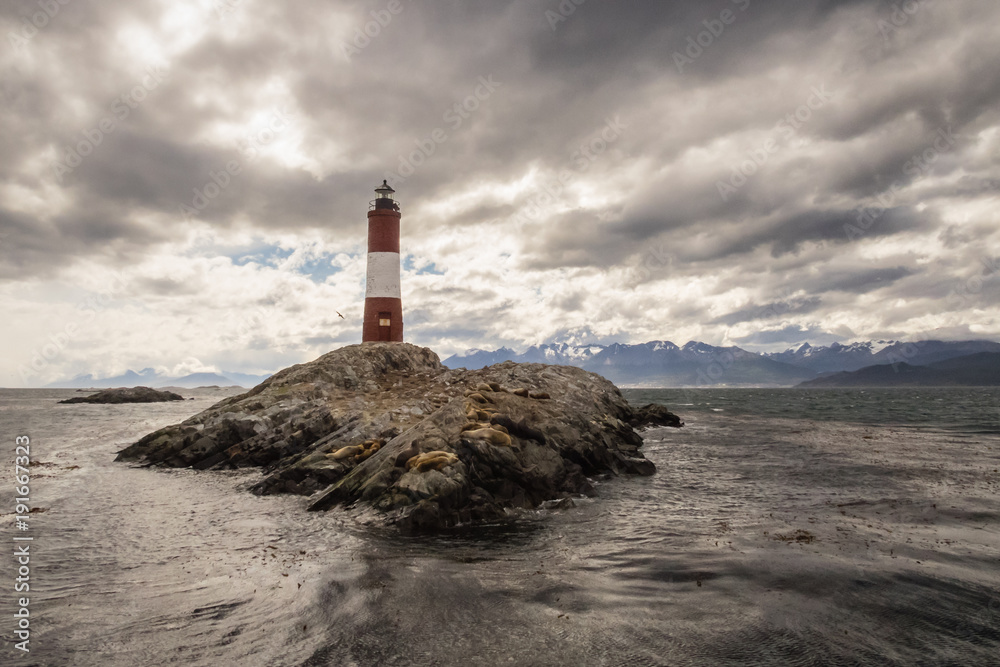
{"type": "Point", "coordinates": [789, 336]}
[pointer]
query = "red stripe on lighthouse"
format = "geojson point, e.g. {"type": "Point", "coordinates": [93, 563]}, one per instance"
{"type": "Point", "coordinates": [383, 231]}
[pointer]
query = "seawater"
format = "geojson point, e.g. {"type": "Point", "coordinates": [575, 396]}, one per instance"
{"type": "Point", "coordinates": [802, 527]}
{"type": "Point", "coordinates": [966, 409]}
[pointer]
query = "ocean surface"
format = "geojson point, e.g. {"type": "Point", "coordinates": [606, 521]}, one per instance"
{"type": "Point", "coordinates": [783, 527]}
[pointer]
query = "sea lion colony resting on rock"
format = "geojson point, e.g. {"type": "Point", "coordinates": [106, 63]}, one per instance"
{"type": "Point", "coordinates": [484, 425]}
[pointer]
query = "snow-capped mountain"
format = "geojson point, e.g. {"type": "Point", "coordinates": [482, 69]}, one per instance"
{"type": "Point", "coordinates": [832, 358]}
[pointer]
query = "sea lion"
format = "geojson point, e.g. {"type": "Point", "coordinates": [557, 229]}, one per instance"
{"type": "Point", "coordinates": [492, 436]}
{"type": "Point", "coordinates": [520, 391]}
{"type": "Point", "coordinates": [518, 428]}
{"type": "Point", "coordinates": [483, 416]}
{"type": "Point", "coordinates": [484, 388]}
{"type": "Point", "coordinates": [346, 452]}
{"type": "Point", "coordinates": [407, 454]}
{"type": "Point", "coordinates": [374, 447]}
{"type": "Point", "coordinates": [477, 397]}
{"type": "Point", "coordinates": [498, 427]}
{"type": "Point", "coordinates": [474, 426]}
{"type": "Point", "coordinates": [540, 395]}
{"type": "Point", "coordinates": [431, 461]}
{"type": "Point", "coordinates": [438, 462]}
{"type": "Point", "coordinates": [495, 386]}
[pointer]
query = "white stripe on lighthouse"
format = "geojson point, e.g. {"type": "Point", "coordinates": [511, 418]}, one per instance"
{"type": "Point", "coordinates": [383, 275]}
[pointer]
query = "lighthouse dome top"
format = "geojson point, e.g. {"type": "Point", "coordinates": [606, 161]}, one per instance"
{"type": "Point", "coordinates": [384, 199]}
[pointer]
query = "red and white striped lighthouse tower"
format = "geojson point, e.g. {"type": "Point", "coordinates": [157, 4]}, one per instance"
{"type": "Point", "coordinates": [383, 302]}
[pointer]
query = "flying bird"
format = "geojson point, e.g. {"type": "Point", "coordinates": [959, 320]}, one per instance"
{"type": "Point", "coordinates": [341, 316]}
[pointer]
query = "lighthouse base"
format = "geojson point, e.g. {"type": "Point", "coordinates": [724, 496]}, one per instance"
{"type": "Point", "coordinates": [383, 321]}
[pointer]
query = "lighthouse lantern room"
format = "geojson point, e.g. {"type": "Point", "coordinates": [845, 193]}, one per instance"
{"type": "Point", "coordinates": [383, 302]}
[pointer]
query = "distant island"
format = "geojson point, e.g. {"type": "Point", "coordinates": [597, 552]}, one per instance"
{"type": "Point", "coordinates": [974, 370]}
{"type": "Point", "coordinates": [127, 395]}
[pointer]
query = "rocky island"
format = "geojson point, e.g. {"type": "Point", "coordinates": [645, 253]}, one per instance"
{"type": "Point", "coordinates": [127, 395]}
{"type": "Point", "coordinates": [387, 427]}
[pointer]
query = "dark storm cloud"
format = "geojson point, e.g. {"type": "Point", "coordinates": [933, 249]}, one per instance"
{"type": "Point", "coordinates": [98, 230]}
{"type": "Point", "coordinates": [770, 311]}
{"type": "Point", "coordinates": [574, 239]}
{"type": "Point", "coordinates": [780, 234]}
{"type": "Point", "coordinates": [866, 281]}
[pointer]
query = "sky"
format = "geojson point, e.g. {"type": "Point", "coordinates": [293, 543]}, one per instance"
{"type": "Point", "coordinates": [184, 183]}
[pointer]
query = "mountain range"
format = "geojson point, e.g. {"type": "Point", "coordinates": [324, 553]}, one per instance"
{"type": "Point", "coordinates": [148, 377]}
{"type": "Point", "coordinates": [664, 364]}
{"type": "Point", "coordinates": [653, 364]}
{"type": "Point", "coordinates": [974, 370]}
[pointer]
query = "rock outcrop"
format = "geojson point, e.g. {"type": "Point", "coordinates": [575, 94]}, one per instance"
{"type": "Point", "coordinates": [127, 395]}
{"type": "Point", "coordinates": [388, 426]}
{"type": "Point", "coordinates": [654, 415]}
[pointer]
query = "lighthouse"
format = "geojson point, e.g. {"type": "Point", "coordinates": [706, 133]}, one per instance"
{"type": "Point", "coordinates": [383, 302]}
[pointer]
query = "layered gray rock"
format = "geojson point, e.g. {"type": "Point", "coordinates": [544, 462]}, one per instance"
{"type": "Point", "coordinates": [387, 426]}
{"type": "Point", "coordinates": [654, 415]}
